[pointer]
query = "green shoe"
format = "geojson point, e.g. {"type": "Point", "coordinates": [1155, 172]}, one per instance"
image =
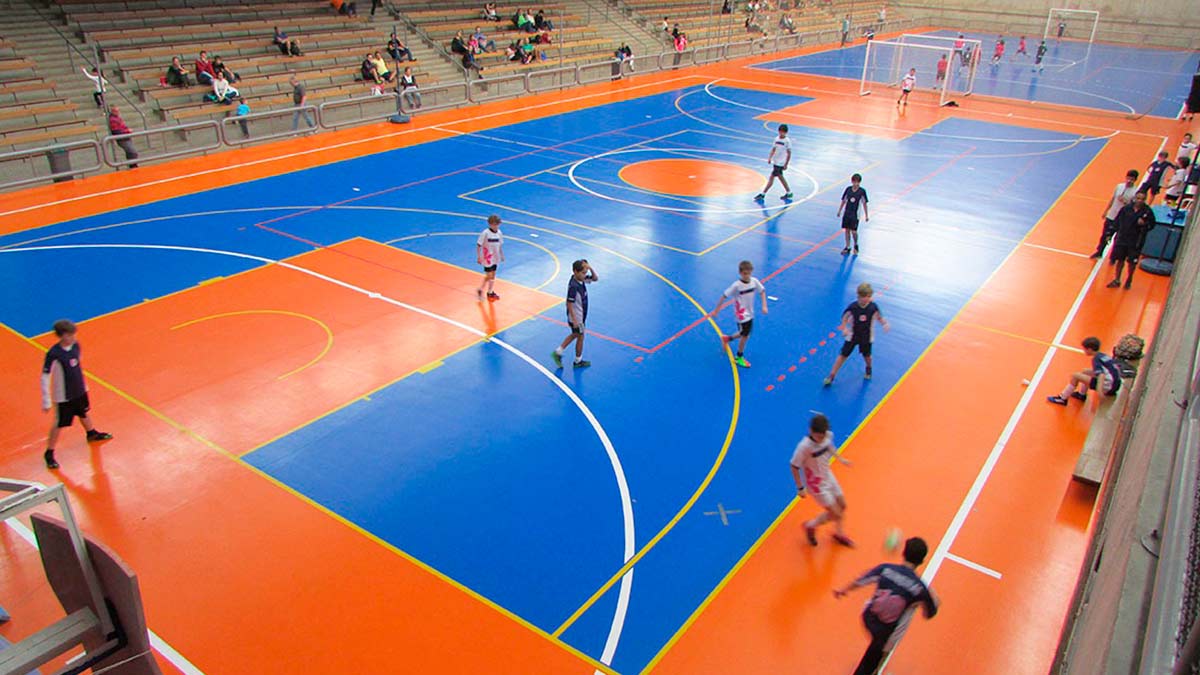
{"type": "Point", "coordinates": [787, 197]}
{"type": "Point", "coordinates": [582, 364]}
{"type": "Point", "coordinates": [828, 381]}
{"type": "Point", "coordinates": [557, 359]}
{"type": "Point", "coordinates": [741, 361]}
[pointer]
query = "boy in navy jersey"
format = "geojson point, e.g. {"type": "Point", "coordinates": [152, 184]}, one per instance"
{"type": "Point", "coordinates": [63, 385]}
{"type": "Point", "coordinates": [853, 197]}
{"type": "Point", "coordinates": [858, 326]}
{"type": "Point", "coordinates": [897, 590]}
{"type": "Point", "coordinates": [1154, 175]}
{"type": "Point", "coordinates": [1104, 376]}
{"type": "Point", "coordinates": [577, 311]}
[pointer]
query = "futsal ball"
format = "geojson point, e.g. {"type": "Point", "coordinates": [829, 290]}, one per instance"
{"type": "Point", "coordinates": [891, 541]}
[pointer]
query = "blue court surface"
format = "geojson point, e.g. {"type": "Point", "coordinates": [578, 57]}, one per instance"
{"type": "Point", "coordinates": [1115, 78]}
{"type": "Point", "coordinates": [483, 468]}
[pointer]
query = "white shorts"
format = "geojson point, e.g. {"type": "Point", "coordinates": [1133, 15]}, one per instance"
{"type": "Point", "coordinates": [824, 488]}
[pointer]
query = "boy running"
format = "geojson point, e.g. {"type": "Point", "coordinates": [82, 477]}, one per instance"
{"type": "Point", "coordinates": [63, 384]}
{"type": "Point", "coordinates": [998, 52]}
{"type": "Point", "coordinates": [810, 470]}
{"type": "Point", "coordinates": [897, 589]}
{"type": "Point", "coordinates": [489, 252]}
{"type": "Point", "coordinates": [1154, 174]}
{"type": "Point", "coordinates": [858, 327]}
{"type": "Point", "coordinates": [780, 157]}
{"type": "Point", "coordinates": [1104, 376]}
{"type": "Point", "coordinates": [852, 198]}
{"type": "Point", "coordinates": [942, 66]}
{"type": "Point", "coordinates": [1133, 222]}
{"type": "Point", "coordinates": [906, 86]}
{"type": "Point", "coordinates": [1038, 56]}
{"type": "Point", "coordinates": [742, 293]}
{"type": "Point", "coordinates": [1021, 47]}
{"type": "Point", "coordinates": [577, 311]}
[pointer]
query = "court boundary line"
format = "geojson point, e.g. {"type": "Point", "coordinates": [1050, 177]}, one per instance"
{"type": "Point", "coordinates": [974, 566]}
{"type": "Point", "coordinates": [277, 312]}
{"type": "Point", "coordinates": [552, 254]}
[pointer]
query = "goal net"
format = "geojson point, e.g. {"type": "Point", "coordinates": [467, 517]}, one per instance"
{"type": "Point", "coordinates": [944, 66]}
{"type": "Point", "coordinates": [1071, 23]}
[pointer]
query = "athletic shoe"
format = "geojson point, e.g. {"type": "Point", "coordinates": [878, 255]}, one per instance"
{"type": "Point", "coordinates": [811, 533]}
{"type": "Point", "coordinates": [843, 540]}
{"type": "Point", "coordinates": [492, 297]}
{"type": "Point", "coordinates": [1079, 396]}
{"type": "Point", "coordinates": [846, 251]}
{"type": "Point", "coordinates": [828, 381]}
{"type": "Point", "coordinates": [1128, 285]}
{"type": "Point", "coordinates": [557, 359]}
{"type": "Point", "coordinates": [582, 364]}
{"type": "Point", "coordinates": [787, 197]}
{"type": "Point", "coordinates": [856, 249]}
{"type": "Point", "coordinates": [1095, 256]}
{"type": "Point", "coordinates": [759, 197]}
{"type": "Point", "coordinates": [867, 375]}
{"type": "Point", "coordinates": [49, 457]}
{"type": "Point", "coordinates": [479, 294]}
{"type": "Point", "coordinates": [1114, 284]}
{"type": "Point", "coordinates": [94, 435]}
{"type": "Point", "coordinates": [1057, 400]}
{"type": "Point", "coordinates": [741, 361]}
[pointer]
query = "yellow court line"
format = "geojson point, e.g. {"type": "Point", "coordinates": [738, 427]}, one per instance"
{"type": "Point", "coordinates": [277, 312]}
{"type": "Point", "coordinates": [430, 367]}
{"type": "Point", "coordinates": [854, 434]}
{"type": "Point", "coordinates": [549, 280]}
{"type": "Point", "coordinates": [179, 426]}
{"type": "Point", "coordinates": [1026, 338]}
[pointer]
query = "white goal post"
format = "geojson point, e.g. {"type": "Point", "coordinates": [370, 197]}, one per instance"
{"type": "Point", "coordinates": [1061, 15]}
{"type": "Point", "coordinates": [888, 61]}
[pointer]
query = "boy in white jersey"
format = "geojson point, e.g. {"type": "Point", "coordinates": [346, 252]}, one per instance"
{"type": "Point", "coordinates": [810, 470]}
{"type": "Point", "coordinates": [489, 252]}
{"type": "Point", "coordinates": [742, 293]}
{"type": "Point", "coordinates": [907, 85]}
{"type": "Point", "coordinates": [780, 157]}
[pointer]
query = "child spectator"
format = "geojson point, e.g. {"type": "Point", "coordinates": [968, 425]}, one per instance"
{"type": "Point", "coordinates": [118, 128]}
{"type": "Point", "coordinates": [1104, 376]}
{"type": "Point", "coordinates": [243, 109]}
{"type": "Point", "coordinates": [63, 385]}
{"type": "Point", "coordinates": [100, 83]}
{"type": "Point", "coordinates": [408, 88]}
{"type": "Point", "coordinates": [1178, 182]}
{"type": "Point", "coordinates": [220, 67]}
{"type": "Point", "coordinates": [223, 92]}
{"type": "Point", "coordinates": [858, 327]}
{"type": "Point", "coordinates": [177, 75]}
{"type": "Point", "coordinates": [742, 292]}
{"type": "Point", "coordinates": [582, 274]}
{"type": "Point", "coordinates": [1154, 174]}
{"type": "Point", "coordinates": [1133, 222]}
{"type": "Point", "coordinates": [204, 70]}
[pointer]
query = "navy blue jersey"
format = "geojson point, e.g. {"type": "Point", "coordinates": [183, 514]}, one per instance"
{"type": "Point", "coordinates": [578, 297]}
{"type": "Point", "coordinates": [853, 197]}
{"type": "Point", "coordinates": [862, 320]}
{"type": "Point", "coordinates": [1155, 173]}
{"type": "Point", "coordinates": [1105, 368]}
{"type": "Point", "coordinates": [66, 373]}
{"type": "Point", "coordinates": [897, 587]}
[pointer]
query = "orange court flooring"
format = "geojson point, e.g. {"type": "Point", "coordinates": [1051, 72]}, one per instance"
{"type": "Point", "coordinates": [243, 572]}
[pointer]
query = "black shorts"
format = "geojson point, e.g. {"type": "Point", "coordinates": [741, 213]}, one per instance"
{"type": "Point", "coordinates": [69, 410]}
{"type": "Point", "coordinates": [745, 327]}
{"type": "Point", "coordinates": [1122, 252]}
{"type": "Point", "coordinates": [489, 268]}
{"type": "Point", "coordinates": [850, 224]}
{"type": "Point", "coordinates": [776, 171]}
{"type": "Point", "coordinates": [1151, 189]}
{"type": "Point", "coordinates": [1111, 392]}
{"type": "Point", "coordinates": [864, 347]}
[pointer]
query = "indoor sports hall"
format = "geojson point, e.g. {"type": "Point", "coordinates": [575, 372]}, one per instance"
{"type": "Point", "coordinates": [332, 453]}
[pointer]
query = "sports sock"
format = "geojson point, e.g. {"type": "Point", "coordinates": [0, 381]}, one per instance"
{"type": "Point", "coordinates": [1068, 390]}
{"type": "Point", "coordinates": [740, 355]}
{"type": "Point", "coordinates": [558, 350]}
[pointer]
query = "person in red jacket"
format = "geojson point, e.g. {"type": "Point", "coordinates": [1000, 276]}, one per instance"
{"type": "Point", "coordinates": [204, 70]}
{"type": "Point", "coordinates": [118, 128]}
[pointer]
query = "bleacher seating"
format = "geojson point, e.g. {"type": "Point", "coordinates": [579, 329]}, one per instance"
{"type": "Point", "coordinates": [704, 24]}
{"type": "Point", "coordinates": [31, 112]}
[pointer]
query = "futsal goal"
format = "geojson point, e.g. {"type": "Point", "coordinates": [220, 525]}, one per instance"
{"type": "Point", "coordinates": [945, 66]}
{"type": "Point", "coordinates": [1073, 23]}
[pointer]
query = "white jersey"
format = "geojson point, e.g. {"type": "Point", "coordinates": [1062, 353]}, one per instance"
{"type": "Point", "coordinates": [489, 246]}
{"type": "Point", "coordinates": [743, 293]}
{"type": "Point", "coordinates": [1186, 150]}
{"type": "Point", "coordinates": [812, 459]}
{"type": "Point", "coordinates": [781, 150]}
{"type": "Point", "coordinates": [1122, 195]}
{"type": "Point", "coordinates": [909, 82]}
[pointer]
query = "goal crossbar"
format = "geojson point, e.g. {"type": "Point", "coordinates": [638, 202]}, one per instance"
{"type": "Point", "coordinates": [1058, 13]}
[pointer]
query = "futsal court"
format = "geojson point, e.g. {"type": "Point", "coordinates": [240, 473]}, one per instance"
{"type": "Point", "coordinates": [331, 458]}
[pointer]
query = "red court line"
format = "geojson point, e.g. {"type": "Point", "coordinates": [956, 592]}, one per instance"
{"type": "Point", "coordinates": [599, 335]}
{"type": "Point", "coordinates": [949, 163]}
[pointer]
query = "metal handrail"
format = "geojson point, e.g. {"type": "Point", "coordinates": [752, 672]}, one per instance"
{"type": "Point", "coordinates": [428, 39]}
{"type": "Point", "coordinates": [48, 150]}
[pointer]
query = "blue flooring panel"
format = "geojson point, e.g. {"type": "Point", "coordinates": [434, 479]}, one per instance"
{"type": "Point", "coordinates": [482, 468]}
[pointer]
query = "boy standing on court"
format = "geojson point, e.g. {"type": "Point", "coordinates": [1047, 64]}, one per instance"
{"type": "Point", "coordinates": [897, 589]}
{"type": "Point", "coordinates": [1038, 56]}
{"type": "Point", "coordinates": [1021, 47]}
{"type": "Point", "coordinates": [742, 293]}
{"type": "Point", "coordinates": [780, 157]}
{"type": "Point", "coordinates": [1154, 174]}
{"type": "Point", "coordinates": [858, 327]}
{"type": "Point", "coordinates": [1122, 195]}
{"type": "Point", "coordinates": [852, 198]}
{"type": "Point", "coordinates": [906, 86]}
{"type": "Point", "coordinates": [63, 385]}
{"type": "Point", "coordinates": [942, 66]}
{"type": "Point", "coordinates": [1133, 222]}
{"type": "Point", "coordinates": [489, 252]}
{"type": "Point", "coordinates": [1104, 376]}
{"type": "Point", "coordinates": [810, 470]}
{"type": "Point", "coordinates": [582, 274]}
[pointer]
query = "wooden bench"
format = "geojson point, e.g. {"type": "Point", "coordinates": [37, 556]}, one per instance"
{"type": "Point", "coordinates": [235, 51]}
{"type": "Point", "coordinates": [41, 113]}
{"type": "Point", "coordinates": [516, 67]}
{"type": "Point", "coordinates": [69, 6]}
{"type": "Point", "coordinates": [14, 68]}
{"type": "Point", "coordinates": [1093, 459]}
{"type": "Point", "coordinates": [25, 90]}
{"type": "Point", "coordinates": [49, 100]}
{"type": "Point", "coordinates": [147, 77]}
{"type": "Point", "coordinates": [207, 30]}
{"type": "Point", "coordinates": [48, 137]}
{"type": "Point", "coordinates": [266, 102]}
{"type": "Point", "coordinates": [445, 30]}
{"type": "Point", "coordinates": [498, 58]}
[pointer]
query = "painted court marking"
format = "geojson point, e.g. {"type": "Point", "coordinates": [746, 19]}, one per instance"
{"type": "Point", "coordinates": [973, 565]}
{"type": "Point", "coordinates": [614, 634]}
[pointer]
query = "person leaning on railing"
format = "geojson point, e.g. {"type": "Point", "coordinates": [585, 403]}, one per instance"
{"type": "Point", "coordinates": [120, 130]}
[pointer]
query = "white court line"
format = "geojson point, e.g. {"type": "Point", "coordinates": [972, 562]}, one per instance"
{"type": "Point", "coordinates": [160, 645]}
{"type": "Point", "coordinates": [630, 546]}
{"type": "Point", "coordinates": [300, 153]}
{"type": "Point", "coordinates": [1056, 250]}
{"type": "Point", "coordinates": [973, 565]}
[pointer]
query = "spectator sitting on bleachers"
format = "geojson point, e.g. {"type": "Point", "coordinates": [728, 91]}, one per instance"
{"type": "Point", "coordinates": [752, 25]}
{"type": "Point", "coordinates": [482, 42]}
{"type": "Point", "coordinates": [367, 69]}
{"type": "Point", "coordinates": [344, 8]}
{"type": "Point", "coordinates": [542, 38]}
{"type": "Point", "coordinates": [541, 22]}
{"type": "Point", "coordinates": [786, 24]}
{"type": "Point", "coordinates": [458, 45]}
{"type": "Point", "coordinates": [525, 22]}
{"type": "Point", "coordinates": [528, 51]}
{"type": "Point", "coordinates": [223, 92]}
{"type": "Point", "coordinates": [381, 68]}
{"type": "Point", "coordinates": [177, 75]}
{"type": "Point", "coordinates": [727, 8]}
{"type": "Point", "coordinates": [489, 12]}
{"type": "Point", "coordinates": [408, 88]}
{"type": "Point", "coordinates": [204, 69]}
{"type": "Point", "coordinates": [468, 64]}
{"type": "Point", "coordinates": [397, 49]}
{"type": "Point", "coordinates": [98, 80]}
{"type": "Point", "coordinates": [287, 45]}
{"type": "Point", "coordinates": [220, 67]}
{"type": "Point", "coordinates": [118, 128]}
{"type": "Point", "coordinates": [517, 17]}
